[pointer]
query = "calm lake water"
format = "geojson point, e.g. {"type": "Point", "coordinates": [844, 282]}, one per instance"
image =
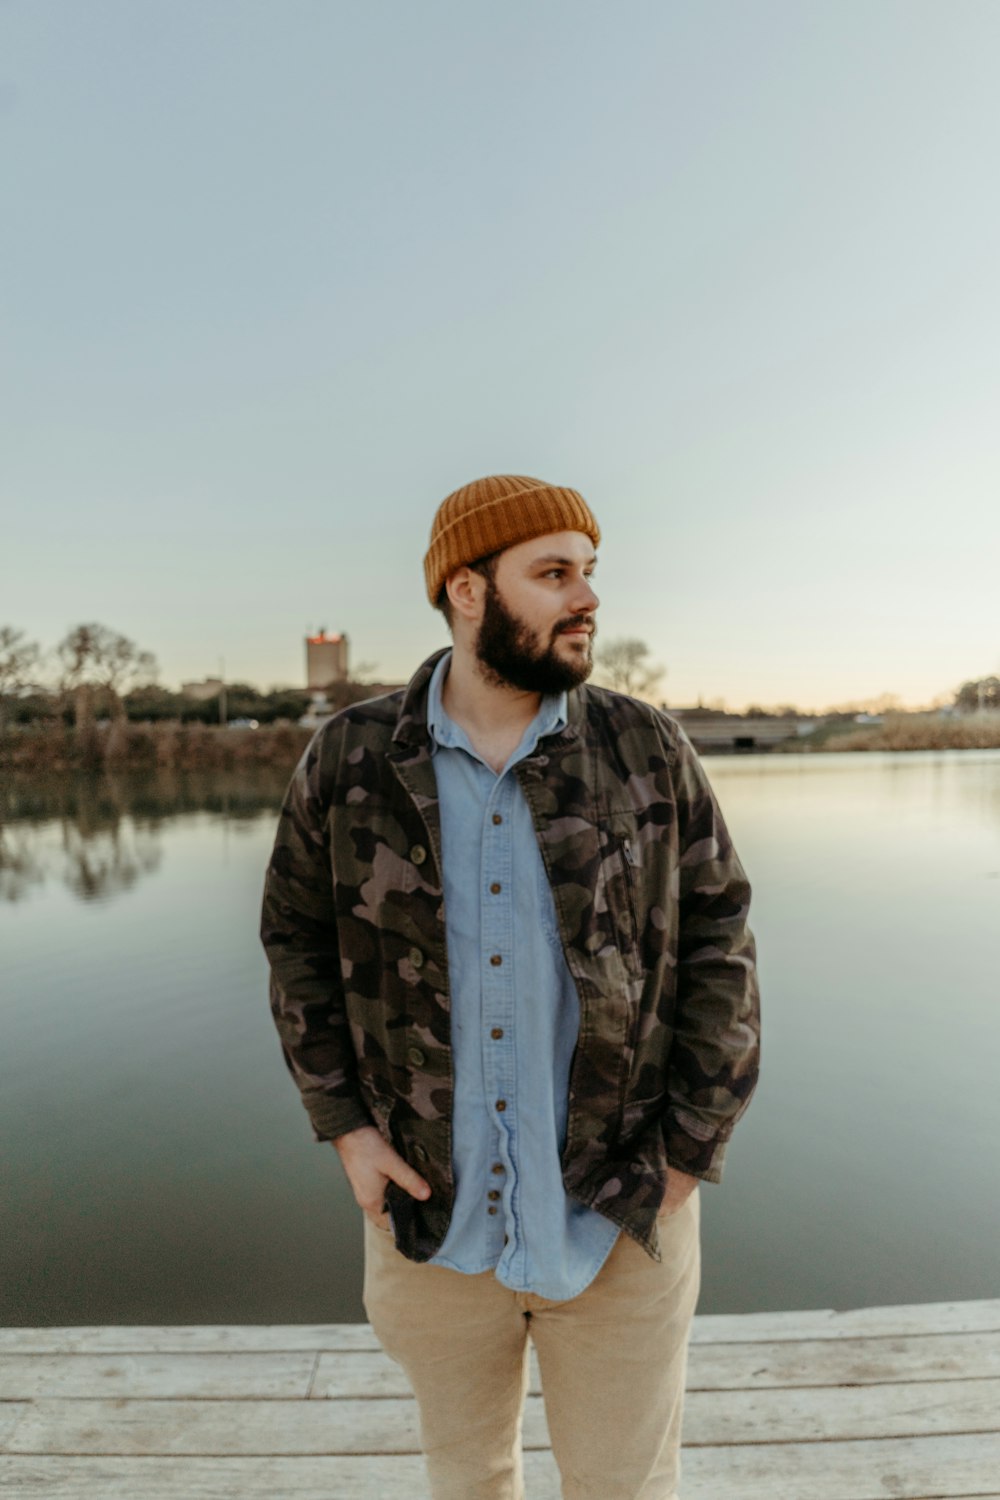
{"type": "Point", "coordinates": [159, 1166]}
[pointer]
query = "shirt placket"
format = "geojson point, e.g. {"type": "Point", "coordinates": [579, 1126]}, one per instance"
{"type": "Point", "coordinates": [498, 1018]}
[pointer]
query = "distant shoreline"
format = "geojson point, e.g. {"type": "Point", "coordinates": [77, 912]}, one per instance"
{"type": "Point", "coordinates": [977, 731]}
{"type": "Point", "coordinates": [168, 745]}
{"type": "Point", "coordinates": [176, 746]}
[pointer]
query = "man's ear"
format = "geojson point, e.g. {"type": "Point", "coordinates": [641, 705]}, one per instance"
{"type": "Point", "coordinates": [465, 590]}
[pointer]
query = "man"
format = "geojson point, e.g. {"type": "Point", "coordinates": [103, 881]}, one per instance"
{"type": "Point", "coordinates": [513, 979]}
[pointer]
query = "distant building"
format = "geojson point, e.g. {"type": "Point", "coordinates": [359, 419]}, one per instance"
{"type": "Point", "coordinates": [326, 659]}
{"type": "Point", "coordinates": [210, 687]}
{"type": "Point", "coordinates": [717, 732]}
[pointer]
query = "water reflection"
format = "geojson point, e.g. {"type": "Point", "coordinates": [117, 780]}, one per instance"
{"type": "Point", "coordinates": [100, 835]}
{"type": "Point", "coordinates": [21, 867]}
{"type": "Point", "coordinates": [162, 1168]}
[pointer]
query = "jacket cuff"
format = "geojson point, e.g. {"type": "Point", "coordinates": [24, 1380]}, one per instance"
{"type": "Point", "coordinates": [333, 1117]}
{"type": "Point", "coordinates": [698, 1158]}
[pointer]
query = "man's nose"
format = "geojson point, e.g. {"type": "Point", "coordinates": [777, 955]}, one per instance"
{"type": "Point", "coordinates": [585, 599]}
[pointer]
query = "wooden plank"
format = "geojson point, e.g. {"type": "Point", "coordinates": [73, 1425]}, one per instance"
{"type": "Point", "coordinates": [834, 1414]}
{"type": "Point", "coordinates": [890, 1469]}
{"type": "Point", "coordinates": [871, 1322]}
{"type": "Point", "coordinates": [829, 1362]}
{"type": "Point", "coordinates": [11, 1413]}
{"type": "Point", "coordinates": [712, 1419]}
{"type": "Point", "coordinates": [894, 1469]}
{"type": "Point", "coordinates": [234, 1428]}
{"type": "Point", "coordinates": [189, 1338]}
{"type": "Point", "coordinates": [768, 1327]}
{"type": "Point", "coordinates": [394, 1478]}
{"type": "Point", "coordinates": [272, 1376]}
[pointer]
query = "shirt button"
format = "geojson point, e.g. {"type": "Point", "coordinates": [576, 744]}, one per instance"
{"type": "Point", "coordinates": [493, 1195]}
{"type": "Point", "coordinates": [491, 1210]}
{"type": "Point", "coordinates": [416, 958]}
{"type": "Point", "coordinates": [495, 887]}
{"type": "Point", "coordinates": [497, 1166]}
{"type": "Point", "coordinates": [496, 960]}
{"type": "Point", "coordinates": [497, 818]}
{"type": "Point", "coordinates": [418, 854]}
{"type": "Point", "coordinates": [417, 1058]}
{"type": "Point", "coordinates": [496, 1033]}
{"type": "Point", "coordinates": [501, 1106]}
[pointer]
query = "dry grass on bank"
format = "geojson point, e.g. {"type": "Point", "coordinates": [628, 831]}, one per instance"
{"type": "Point", "coordinates": [923, 732]}
{"type": "Point", "coordinates": [172, 745]}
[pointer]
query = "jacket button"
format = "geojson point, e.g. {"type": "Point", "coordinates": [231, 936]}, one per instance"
{"type": "Point", "coordinates": [496, 960]}
{"type": "Point", "coordinates": [496, 1033]}
{"type": "Point", "coordinates": [417, 1058]}
{"type": "Point", "coordinates": [493, 1195]}
{"type": "Point", "coordinates": [416, 958]}
{"type": "Point", "coordinates": [420, 1151]}
{"type": "Point", "coordinates": [497, 818]}
{"type": "Point", "coordinates": [418, 854]}
{"type": "Point", "coordinates": [492, 1210]}
{"type": "Point", "coordinates": [501, 1105]}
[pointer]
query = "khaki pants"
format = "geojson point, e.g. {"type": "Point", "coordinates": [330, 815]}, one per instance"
{"type": "Point", "coordinates": [612, 1363]}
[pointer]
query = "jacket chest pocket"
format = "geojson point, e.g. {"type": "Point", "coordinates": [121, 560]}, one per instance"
{"type": "Point", "coordinates": [621, 876]}
{"type": "Point", "coordinates": [597, 872]}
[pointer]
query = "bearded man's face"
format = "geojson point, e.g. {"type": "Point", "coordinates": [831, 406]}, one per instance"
{"type": "Point", "coordinates": [542, 658]}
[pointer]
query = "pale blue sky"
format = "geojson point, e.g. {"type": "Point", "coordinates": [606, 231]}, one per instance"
{"type": "Point", "coordinates": [278, 276]}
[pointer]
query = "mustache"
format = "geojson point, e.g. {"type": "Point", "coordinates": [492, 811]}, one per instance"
{"type": "Point", "coordinates": [578, 622]}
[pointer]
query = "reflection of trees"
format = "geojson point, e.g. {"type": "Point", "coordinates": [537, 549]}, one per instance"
{"type": "Point", "coordinates": [106, 861]}
{"type": "Point", "coordinates": [20, 867]}
{"type": "Point", "coordinates": [101, 833]}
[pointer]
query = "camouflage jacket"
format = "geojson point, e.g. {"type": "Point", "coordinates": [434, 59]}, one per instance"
{"type": "Point", "coordinates": [652, 907]}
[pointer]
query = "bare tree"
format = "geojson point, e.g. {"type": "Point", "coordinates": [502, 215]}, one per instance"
{"type": "Point", "coordinates": [95, 657]}
{"type": "Point", "coordinates": [623, 665]}
{"type": "Point", "coordinates": [979, 693]}
{"type": "Point", "coordinates": [18, 660]}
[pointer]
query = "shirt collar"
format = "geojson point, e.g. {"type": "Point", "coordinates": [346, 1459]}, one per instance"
{"type": "Point", "coordinates": [445, 733]}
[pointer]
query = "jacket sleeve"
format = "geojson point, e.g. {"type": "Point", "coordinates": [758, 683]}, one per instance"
{"type": "Point", "coordinates": [299, 933]}
{"type": "Point", "coordinates": [713, 1063]}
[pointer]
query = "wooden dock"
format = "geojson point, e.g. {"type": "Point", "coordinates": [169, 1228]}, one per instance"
{"type": "Point", "coordinates": [891, 1403]}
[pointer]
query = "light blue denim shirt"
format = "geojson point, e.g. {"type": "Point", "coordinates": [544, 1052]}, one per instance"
{"type": "Point", "coordinates": [514, 1026]}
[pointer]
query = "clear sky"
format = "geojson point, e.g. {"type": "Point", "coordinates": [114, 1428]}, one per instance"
{"type": "Point", "coordinates": [279, 276]}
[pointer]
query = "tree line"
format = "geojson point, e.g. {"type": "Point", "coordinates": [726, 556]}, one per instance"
{"type": "Point", "coordinates": [96, 673]}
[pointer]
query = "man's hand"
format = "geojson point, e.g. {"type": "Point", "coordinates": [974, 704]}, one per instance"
{"type": "Point", "coordinates": [680, 1186]}
{"type": "Point", "coordinates": [370, 1162]}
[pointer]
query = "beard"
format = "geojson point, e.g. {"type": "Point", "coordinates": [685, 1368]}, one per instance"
{"type": "Point", "coordinates": [510, 655]}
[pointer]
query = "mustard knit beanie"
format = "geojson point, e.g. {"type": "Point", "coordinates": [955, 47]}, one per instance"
{"type": "Point", "coordinates": [497, 512]}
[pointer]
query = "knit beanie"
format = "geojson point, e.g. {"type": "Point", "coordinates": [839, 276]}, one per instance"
{"type": "Point", "coordinates": [497, 512]}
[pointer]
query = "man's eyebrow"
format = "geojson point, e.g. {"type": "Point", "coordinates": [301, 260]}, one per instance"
{"type": "Point", "coordinates": [565, 562]}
